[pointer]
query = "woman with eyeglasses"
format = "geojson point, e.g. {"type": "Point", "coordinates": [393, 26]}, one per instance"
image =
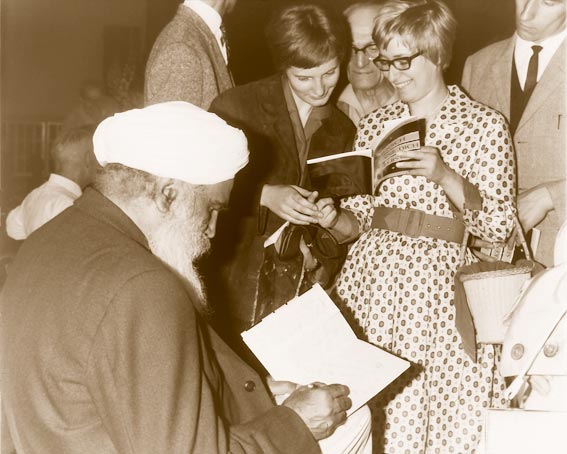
{"type": "Point", "coordinates": [287, 118]}
{"type": "Point", "coordinates": [398, 278]}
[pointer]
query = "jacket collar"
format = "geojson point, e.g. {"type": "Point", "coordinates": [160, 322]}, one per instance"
{"type": "Point", "coordinates": [94, 204]}
{"type": "Point", "coordinates": [502, 75]}
{"type": "Point", "coordinates": [547, 86]}
{"type": "Point", "coordinates": [208, 39]}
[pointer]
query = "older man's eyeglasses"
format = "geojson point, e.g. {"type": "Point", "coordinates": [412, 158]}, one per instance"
{"type": "Point", "coordinates": [370, 51]}
{"type": "Point", "coordinates": [401, 63]}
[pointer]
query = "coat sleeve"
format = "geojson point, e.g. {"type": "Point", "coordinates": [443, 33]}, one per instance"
{"type": "Point", "coordinates": [146, 376]}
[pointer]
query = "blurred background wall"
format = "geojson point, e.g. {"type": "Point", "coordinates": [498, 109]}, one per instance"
{"type": "Point", "coordinates": [49, 49]}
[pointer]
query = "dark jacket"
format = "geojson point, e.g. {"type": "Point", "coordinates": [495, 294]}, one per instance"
{"type": "Point", "coordinates": [260, 110]}
{"type": "Point", "coordinates": [104, 352]}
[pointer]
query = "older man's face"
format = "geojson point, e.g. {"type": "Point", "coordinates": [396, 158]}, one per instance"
{"type": "Point", "coordinates": [539, 19]}
{"type": "Point", "coordinates": [185, 232]}
{"type": "Point", "coordinates": [361, 72]}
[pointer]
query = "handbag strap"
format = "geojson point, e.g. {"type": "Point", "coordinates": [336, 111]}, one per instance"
{"type": "Point", "coordinates": [519, 234]}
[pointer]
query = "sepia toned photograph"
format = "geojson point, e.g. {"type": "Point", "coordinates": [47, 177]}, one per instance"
{"type": "Point", "coordinates": [283, 227]}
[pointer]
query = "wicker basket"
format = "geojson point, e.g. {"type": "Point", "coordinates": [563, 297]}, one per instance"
{"type": "Point", "coordinates": [491, 296]}
{"type": "Point", "coordinates": [492, 290]}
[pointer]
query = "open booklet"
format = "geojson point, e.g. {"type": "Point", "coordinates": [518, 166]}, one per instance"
{"type": "Point", "coordinates": [404, 134]}
{"type": "Point", "coordinates": [308, 340]}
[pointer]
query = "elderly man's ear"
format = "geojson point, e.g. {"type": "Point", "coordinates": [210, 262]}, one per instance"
{"type": "Point", "coordinates": [167, 194]}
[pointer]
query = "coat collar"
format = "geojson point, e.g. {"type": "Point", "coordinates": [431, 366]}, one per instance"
{"type": "Point", "coordinates": [96, 205]}
{"type": "Point", "coordinates": [502, 75]}
{"type": "Point", "coordinates": [208, 40]}
{"type": "Point", "coordinates": [548, 85]}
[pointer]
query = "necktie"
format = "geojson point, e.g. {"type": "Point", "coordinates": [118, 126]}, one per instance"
{"type": "Point", "coordinates": [531, 78]}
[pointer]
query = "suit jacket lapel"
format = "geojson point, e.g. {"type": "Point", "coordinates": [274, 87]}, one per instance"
{"type": "Point", "coordinates": [547, 86]}
{"type": "Point", "coordinates": [223, 75]}
{"type": "Point", "coordinates": [277, 118]}
{"type": "Point", "coordinates": [502, 74]}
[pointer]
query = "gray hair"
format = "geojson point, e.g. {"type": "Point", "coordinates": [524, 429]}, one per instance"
{"type": "Point", "coordinates": [119, 182]}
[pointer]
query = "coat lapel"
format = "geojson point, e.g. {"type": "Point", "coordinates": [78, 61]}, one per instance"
{"type": "Point", "coordinates": [276, 117]}
{"type": "Point", "coordinates": [547, 86]}
{"type": "Point", "coordinates": [502, 75]}
{"type": "Point", "coordinates": [209, 42]}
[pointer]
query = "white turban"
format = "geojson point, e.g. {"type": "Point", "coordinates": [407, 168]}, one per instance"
{"type": "Point", "coordinates": [173, 140]}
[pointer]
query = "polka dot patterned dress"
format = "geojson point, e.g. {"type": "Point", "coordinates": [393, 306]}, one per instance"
{"type": "Point", "coordinates": [399, 290]}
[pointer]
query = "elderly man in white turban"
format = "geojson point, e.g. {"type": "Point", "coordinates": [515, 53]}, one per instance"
{"type": "Point", "coordinates": [104, 344]}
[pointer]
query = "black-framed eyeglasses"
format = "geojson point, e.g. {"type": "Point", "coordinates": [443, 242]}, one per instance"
{"type": "Point", "coordinates": [400, 63]}
{"type": "Point", "coordinates": [370, 51]}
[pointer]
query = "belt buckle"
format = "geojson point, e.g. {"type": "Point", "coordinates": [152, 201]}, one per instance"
{"type": "Point", "coordinates": [414, 223]}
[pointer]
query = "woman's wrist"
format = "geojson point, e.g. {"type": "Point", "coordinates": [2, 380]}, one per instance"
{"type": "Point", "coordinates": [345, 227]}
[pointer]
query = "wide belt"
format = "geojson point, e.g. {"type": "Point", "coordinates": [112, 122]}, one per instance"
{"type": "Point", "coordinates": [416, 223]}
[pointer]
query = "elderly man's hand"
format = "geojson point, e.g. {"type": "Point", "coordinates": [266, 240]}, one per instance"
{"type": "Point", "coordinates": [292, 203]}
{"type": "Point", "coordinates": [321, 407]}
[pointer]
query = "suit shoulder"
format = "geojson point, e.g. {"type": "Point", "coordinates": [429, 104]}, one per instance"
{"type": "Point", "coordinates": [243, 92]}
{"type": "Point", "coordinates": [243, 101]}
{"type": "Point", "coordinates": [489, 51]}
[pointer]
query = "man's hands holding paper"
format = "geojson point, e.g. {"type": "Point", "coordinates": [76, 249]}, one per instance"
{"type": "Point", "coordinates": [321, 407]}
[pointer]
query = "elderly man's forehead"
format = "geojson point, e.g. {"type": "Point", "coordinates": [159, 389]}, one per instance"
{"type": "Point", "coordinates": [361, 21]}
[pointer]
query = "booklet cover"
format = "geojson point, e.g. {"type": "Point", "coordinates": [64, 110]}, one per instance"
{"type": "Point", "coordinates": [308, 340]}
{"type": "Point", "coordinates": [404, 134]}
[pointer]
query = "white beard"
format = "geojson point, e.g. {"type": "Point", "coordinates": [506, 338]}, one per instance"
{"type": "Point", "coordinates": [177, 242]}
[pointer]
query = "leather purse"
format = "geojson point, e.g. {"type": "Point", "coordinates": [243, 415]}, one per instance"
{"type": "Point", "coordinates": [328, 252]}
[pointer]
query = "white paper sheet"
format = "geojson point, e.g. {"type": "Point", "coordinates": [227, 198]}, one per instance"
{"type": "Point", "coordinates": [308, 340]}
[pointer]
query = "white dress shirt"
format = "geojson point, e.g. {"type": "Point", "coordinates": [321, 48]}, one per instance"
{"type": "Point", "coordinates": [212, 18]}
{"type": "Point", "coordinates": [41, 205]}
{"type": "Point", "coordinates": [523, 52]}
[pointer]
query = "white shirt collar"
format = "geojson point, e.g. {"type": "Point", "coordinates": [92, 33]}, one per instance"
{"type": "Point", "coordinates": [211, 17]}
{"type": "Point", "coordinates": [65, 183]}
{"type": "Point", "coordinates": [523, 52]}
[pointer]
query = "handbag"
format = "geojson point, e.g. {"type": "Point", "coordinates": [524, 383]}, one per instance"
{"type": "Point", "coordinates": [486, 292]}
{"type": "Point", "coordinates": [328, 252]}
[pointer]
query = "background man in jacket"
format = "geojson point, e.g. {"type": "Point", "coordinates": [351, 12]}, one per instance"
{"type": "Point", "coordinates": [524, 78]}
{"type": "Point", "coordinates": [188, 61]}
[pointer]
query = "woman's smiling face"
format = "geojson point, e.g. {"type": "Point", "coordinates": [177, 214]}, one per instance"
{"type": "Point", "coordinates": [419, 80]}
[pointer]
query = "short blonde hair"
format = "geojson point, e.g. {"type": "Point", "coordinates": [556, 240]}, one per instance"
{"type": "Point", "coordinates": [429, 26]}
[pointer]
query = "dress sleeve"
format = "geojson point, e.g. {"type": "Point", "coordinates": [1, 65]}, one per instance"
{"type": "Point", "coordinates": [493, 173]}
{"type": "Point", "coordinates": [362, 208]}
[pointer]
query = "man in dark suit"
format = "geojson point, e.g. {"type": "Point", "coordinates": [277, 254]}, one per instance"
{"type": "Point", "coordinates": [524, 78]}
{"type": "Point", "coordinates": [188, 61]}
{"type": "Point", "coordinates": [104, 346]}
